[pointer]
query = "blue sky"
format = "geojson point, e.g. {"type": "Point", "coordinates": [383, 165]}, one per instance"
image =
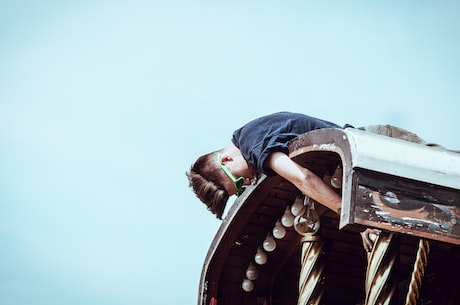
{"type": "Point", "coordinates": [105, 104]}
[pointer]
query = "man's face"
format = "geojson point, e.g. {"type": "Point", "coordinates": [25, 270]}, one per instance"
{"type": "Point", "coordinates": [238, 167]}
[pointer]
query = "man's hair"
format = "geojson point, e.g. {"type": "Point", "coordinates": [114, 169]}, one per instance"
{"type": "Point", "coordinates": [205, 179]}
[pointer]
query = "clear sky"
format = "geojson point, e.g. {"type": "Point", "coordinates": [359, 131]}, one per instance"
{"type": "Point", "coordinates": [105, 104]}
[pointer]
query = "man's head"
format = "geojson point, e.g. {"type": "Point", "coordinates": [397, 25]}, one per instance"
{"type": "Point", "coordinates": [205, 178]}
{"type": "Point", "coordinates": [217, 175]}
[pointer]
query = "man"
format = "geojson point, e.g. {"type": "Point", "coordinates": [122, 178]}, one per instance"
{"type": "Point", "coordinates": [260, 146]}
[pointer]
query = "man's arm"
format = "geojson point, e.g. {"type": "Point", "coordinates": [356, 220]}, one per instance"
{"type": "Point", "coordinates": [312, 186]}
{"type": "Point", "coordinates": [305, 180]}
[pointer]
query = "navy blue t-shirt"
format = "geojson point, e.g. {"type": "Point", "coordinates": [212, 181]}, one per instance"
{"type": "Point", "coordinates": [264, 135]}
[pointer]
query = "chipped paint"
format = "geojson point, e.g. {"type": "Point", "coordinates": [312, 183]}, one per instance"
{"type": "Point", "coordinates": [329, 147]}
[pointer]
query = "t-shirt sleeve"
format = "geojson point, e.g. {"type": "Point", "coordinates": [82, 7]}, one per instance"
{"type": "Point", "coordinates": [256, 150]}
{"type": "Point", "coordinates": [274, 143]}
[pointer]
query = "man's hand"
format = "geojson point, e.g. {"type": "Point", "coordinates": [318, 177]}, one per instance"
{"type": "Point", "coordinates": [369, 236]}
{"type": "Point", "coordinates": [305, 180]}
